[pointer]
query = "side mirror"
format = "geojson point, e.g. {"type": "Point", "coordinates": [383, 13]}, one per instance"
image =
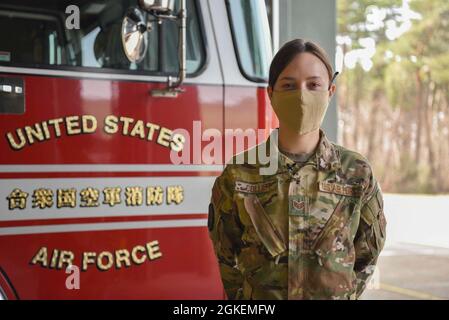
{"type": "Point", "coordinates": [134, 40]}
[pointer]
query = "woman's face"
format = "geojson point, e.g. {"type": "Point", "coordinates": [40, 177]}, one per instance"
{"type": "Point", "coordinates": [305, 71]}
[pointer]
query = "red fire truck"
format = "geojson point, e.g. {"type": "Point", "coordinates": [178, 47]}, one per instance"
{"type": "Point", "coordinates": [91, 95]}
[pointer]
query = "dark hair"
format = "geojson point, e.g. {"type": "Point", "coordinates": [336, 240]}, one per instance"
{"type": "Point", "coordinates": [289, 50]}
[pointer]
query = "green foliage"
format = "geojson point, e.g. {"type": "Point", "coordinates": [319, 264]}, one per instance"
{"type": "Point", "coordinates": [439, 66]}
{"type": "Point", "coordinates": [427, 42]}
{"type": "Point", "coordinates": [403, 69]}
{"type": "Point", "coordinates": [351, 18]}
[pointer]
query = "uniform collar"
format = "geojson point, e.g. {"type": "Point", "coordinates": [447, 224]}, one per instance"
{"type": "Point", "coordinates": [325, 158]}
{"type": "Point", "coordinates": [327, 155]}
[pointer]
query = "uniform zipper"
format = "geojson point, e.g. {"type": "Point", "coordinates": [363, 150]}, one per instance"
{"type": "Point", "coordinates": [306, 211]}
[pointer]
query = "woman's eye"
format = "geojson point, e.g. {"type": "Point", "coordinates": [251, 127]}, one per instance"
{"type": "Point", "coordinates": [314, 85]}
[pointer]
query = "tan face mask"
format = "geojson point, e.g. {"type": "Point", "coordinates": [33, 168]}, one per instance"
{"type": "Point", "coordinates": [301, 110]}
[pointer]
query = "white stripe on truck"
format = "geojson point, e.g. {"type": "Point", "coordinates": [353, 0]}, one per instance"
{"type": "Point", "coordinates": [196, 196]}
{"type": "Point", "coordinates": [108, 168]}
{"type": "Point", "coordinates": [103, 226]}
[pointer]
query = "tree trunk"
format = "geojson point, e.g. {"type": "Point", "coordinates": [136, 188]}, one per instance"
{"type": "Point", "coordinates": [418, 108]}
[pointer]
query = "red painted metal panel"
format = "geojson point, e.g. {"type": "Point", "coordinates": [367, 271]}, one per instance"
{"type": "Point", "coordinates": [184, 271]}
{"type": "Point", "coordinates": [51, 98]}
{"type": "Point", "coordinates": [187, 268]}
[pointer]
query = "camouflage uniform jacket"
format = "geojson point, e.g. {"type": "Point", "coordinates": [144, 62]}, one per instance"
{"type": "Point", "coordinates": [309, 232]}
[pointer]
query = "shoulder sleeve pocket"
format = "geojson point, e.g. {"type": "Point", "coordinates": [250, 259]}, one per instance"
{"type": "Point", "coordinates": [372, 214]}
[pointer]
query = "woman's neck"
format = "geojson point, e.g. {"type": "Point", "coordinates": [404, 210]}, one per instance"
{"type": "Point", "coordinates": [293, 142]}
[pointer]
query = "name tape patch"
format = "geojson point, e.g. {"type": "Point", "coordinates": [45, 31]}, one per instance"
{"type": "Point", "coordinates": [246, 187]}
{"type": "Point", "coordinates": [339, 188]}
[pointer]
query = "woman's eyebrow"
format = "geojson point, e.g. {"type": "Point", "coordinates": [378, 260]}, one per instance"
{"type": "Point", "coordinates": [288, 78]}
{"type": "Point", "coordinates": [314, 77]}
{"type": "Point", "coordinates": [293, 78]}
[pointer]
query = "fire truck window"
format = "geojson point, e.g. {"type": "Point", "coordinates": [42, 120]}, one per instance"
{"type": "Point", "coordinates": [42, 45]}
{"type": "Point", "coordinates": [194, 49]}
{"type": "Point", "coordinates": [251, 34]}
{"type": "Point", "coordinates": [97, 43]}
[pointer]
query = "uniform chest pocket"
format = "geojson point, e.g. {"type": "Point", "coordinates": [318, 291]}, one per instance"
{"type": "Point", "coordinates": [266, 192]}
{"type": "Point", "coordinates": [253, 198]}
{"type": "Point", "coordinates": [334, 251]}
{"type": "Point", "coordinates": [266, 230]}
{"type": "Point", "coordinates": [334, 208]}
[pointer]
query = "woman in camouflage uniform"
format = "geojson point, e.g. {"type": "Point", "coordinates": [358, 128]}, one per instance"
{"type": "Point", "coordinates": [313, 228]}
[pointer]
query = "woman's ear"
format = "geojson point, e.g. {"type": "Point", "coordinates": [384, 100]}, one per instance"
{"type": "Point", "coordinates": [332, 90]}
{"type": "Point", "coordinates": [269, 91]}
